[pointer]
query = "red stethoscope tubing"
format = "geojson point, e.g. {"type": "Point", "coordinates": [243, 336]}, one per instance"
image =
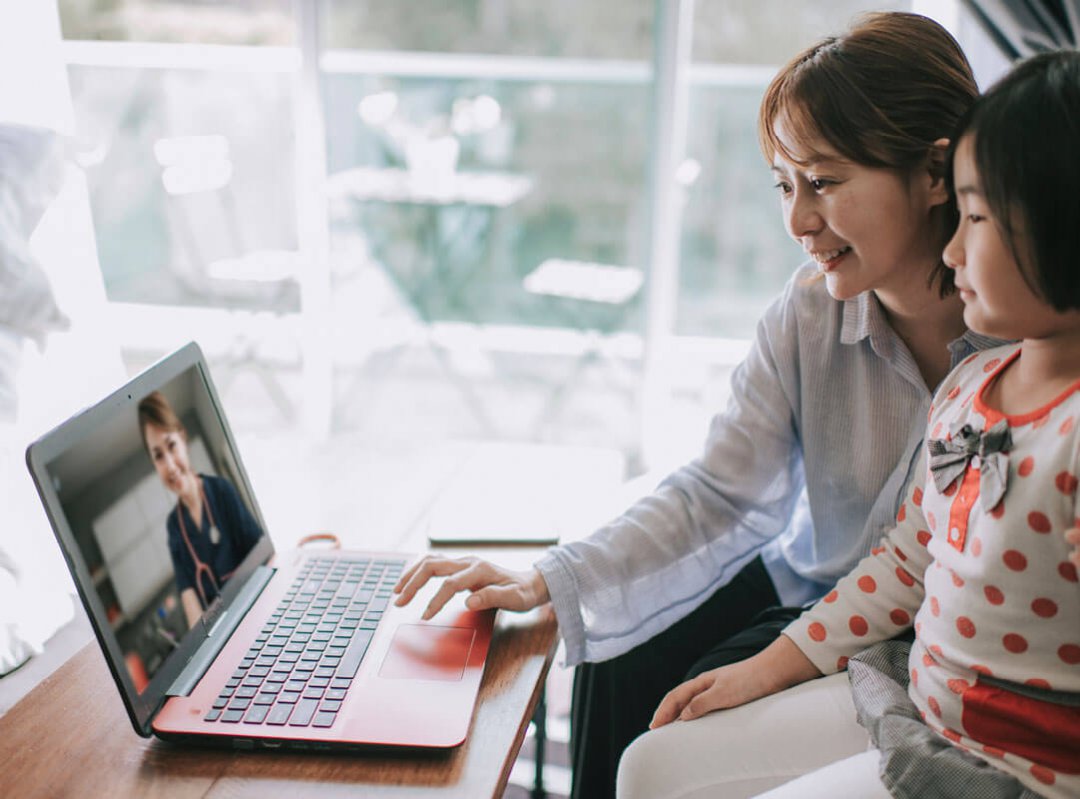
{"type": "Point", "coordinates": [200, 566]}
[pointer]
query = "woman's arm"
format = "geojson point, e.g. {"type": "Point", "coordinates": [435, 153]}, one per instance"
{"type": "Point", "coordinates": [192, 608]}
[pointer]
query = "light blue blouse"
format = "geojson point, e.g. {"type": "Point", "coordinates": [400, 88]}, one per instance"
{"type": "Point", "coordinates": [805, 467]}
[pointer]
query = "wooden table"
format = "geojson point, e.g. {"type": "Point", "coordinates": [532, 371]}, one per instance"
{"type": "Point", "coordinates": [70, 737]}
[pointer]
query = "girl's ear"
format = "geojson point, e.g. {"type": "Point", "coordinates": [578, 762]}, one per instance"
{"type": "Point", "coordinates": [935, 166]}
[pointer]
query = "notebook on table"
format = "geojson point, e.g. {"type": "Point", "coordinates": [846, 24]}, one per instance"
{"type": "Point", "coordinates": [211, 636]}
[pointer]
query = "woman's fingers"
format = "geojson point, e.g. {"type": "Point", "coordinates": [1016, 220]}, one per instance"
{"type": "Point", "coordinates": [428, 567]}
{"type": "Point", "coordinates": [672, 706]}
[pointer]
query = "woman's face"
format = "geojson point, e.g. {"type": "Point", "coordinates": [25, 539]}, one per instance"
{"type": "Point", "coordinates": [867, 228]}
{"type": "Point", "coordinates": [169, 453]}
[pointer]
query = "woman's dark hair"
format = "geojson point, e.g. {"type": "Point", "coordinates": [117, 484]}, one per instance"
{"type": "Point", "coordinates": [1026, 134]}
{"type": "Point", "coordinates": [155, 411]}
{"type": "Point", "coordinates": [880, 94]}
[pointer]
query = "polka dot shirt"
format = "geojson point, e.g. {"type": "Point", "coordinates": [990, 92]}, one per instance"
{"type": "Point", "coordinates": [992, 595]}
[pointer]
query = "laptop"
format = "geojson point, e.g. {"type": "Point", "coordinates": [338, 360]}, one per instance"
{"type": "Point", "coordinates": [212, 637]}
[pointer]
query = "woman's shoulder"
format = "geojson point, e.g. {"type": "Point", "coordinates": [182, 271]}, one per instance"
{"type": "Point", "coordinates": [218, 486]}
{"type": "Point", "coordinates": [804, 299]}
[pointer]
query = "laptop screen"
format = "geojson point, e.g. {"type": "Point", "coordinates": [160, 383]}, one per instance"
{"type": "Point", "coordinates": [154, 511]}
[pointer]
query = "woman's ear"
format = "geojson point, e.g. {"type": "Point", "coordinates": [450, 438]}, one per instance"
{"type": "Point", "coordinates": [936, 159]}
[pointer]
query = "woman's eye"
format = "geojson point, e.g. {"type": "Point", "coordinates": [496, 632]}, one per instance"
{"type": "Point", "coordinates": [785, 188]}
{"type": "Point", "coordinates": [973, 218]}
{"type": "Point", "coordinates": [817, 184]}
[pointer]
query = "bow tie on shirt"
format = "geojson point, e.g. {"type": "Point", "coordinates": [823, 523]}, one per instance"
{"type": "Point", "coordinates": [949, 459]}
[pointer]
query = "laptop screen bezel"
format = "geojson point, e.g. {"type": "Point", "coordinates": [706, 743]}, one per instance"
{"type": "Point", "coordinates": [141, 706]}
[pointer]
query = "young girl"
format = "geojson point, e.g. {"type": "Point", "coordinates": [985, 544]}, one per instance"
{"type": "Point", "coordinates": [982, 559]}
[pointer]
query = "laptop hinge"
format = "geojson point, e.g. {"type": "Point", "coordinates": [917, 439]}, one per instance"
{"type": "Point", "coordinates": [218, 635]}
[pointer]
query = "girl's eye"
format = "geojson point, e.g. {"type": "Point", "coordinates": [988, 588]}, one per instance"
{"type": "Point", "coordinates": [785, 188]}
{"type": "Point", "coordinates": [817, 184]}
{"type": "Point", "coordinates": [973, 218]}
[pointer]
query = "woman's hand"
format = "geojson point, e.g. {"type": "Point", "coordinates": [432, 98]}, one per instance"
{"type": "Point", "coordinates": [779, 666]}
{"type": "Point", "coordinates": [1073, 537]}
{"type": "Point", "coordinates": [490, 586]}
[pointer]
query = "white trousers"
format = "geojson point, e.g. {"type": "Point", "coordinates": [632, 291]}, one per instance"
{"type": "Point", "coordinates": [803, 742]}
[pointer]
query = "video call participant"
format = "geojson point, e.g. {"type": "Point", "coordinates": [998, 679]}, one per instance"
{"type": "Point", "coordinates": [210, 531]}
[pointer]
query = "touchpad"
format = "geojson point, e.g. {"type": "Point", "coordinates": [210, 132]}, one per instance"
{"type": "Point", "coordinates": [428, 652]}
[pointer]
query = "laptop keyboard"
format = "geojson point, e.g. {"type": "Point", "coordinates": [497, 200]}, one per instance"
{"type": "Point", "coordinates": [300, 667]}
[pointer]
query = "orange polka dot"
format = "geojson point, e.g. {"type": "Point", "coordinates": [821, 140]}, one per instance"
{"type": "Point", "coordinates": [902, 513]}
{"type": "Point", "coordinates": [1043, 774]}
{"type": "Point", "coordinates": [954, 392]}
{"type": "Point", "coordinates": [998, 510]}
{"type": "Point", "coordinates": [916, 497]}
{"type": "Point", "coordinates": [958, 686]}
{"type": "Point", "coordinates": [982, 670]}
{"type": "Point", "coordinates": [1041, 421]}
{"type": "Point", "coordinates": [816, 631]}
{"type": "Point", "coordinates": [904, 576]}
{"type": "Point", "coordinates": [993, 751]}
{"type": "Point", "coordinates": [831, 596]}
{"type": "Point", "coordinates": [927, 659]}
{"type": "Point", "coordinates": [1066, 426]}
{"type": "Point", "coordinates": [867, 584]}
{"type": "Point", "coordinates": [994, 595]}
{"type": "Point", "coordinates": [1046, 608]}
{"type": "Point", "coordinates": [952, 735]}
{"type": "Point", "coordinates": [1070, 653]}
{"type": "Point", "coordinates": [1015, 560]}
{"type": "Point", "coordinates": [970, 358]}
{"type": "Point", "coordinates": [966, 627]}
{"type": "Point", "coordinates": [1025, 467]}
{"type": "Point", "coordinates": [1015, 643]}
{"type": "Point", "coordinates": [950, 489]}
{"type": "Point", "coordinates": [899, 553]}
{"type": "Point", "coordinates": [936, 431]}
{"type": "Point", "coordinates": [976, 546]}
{"type": "Point", "coordinates": [934, 706]}
{"type": "Point", "coordinates": [877, 551]}
{"type": "Point", "coordinates": [914, 676]}
{"type": "Point", "coordinates": [957, 580]}
{"type": "Point", "coordinates": [931, 520]}
{"type": "Point", "coordinates": [1038, 522]}
{"type": "Point", "coordinates": [841, 662]}
{"type": "Point", "coordinates": [918, 628]}
{"type": "Point", "coordinates": [923, 537]}
{"type": "Point", "coordinates": [1066, 483]}
{"type": "Point", "coordinates": [935, 649]}
{"type": "Point", "coordinates": [899, 617]}
{"type": "Point", "coordinates": [1068, 571]}
{"type": "Point", "coordinates": [991, 365]}
{"type": "Point", "coordinates": [858, 626]}
{"type": "Point", "coordinates": [1036, 682]}
{"type": "Point", "coordinates": [935, 606]}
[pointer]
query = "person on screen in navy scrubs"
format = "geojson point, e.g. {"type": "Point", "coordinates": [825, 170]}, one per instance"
{"type": "Point", "coordinates": [210, 530]}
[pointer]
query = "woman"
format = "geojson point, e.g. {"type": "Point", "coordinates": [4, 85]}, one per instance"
{"type": "Point", "coordinates": [801, 474]}
{"type": "Point", "coordinates": [210, 530]}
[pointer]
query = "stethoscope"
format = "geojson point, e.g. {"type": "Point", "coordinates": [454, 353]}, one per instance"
{"type": "Point", "coordinates": [201, 568]}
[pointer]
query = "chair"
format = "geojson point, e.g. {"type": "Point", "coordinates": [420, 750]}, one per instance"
{"type": "Point", "coordinates": [212, 259]}
{"type": "Point", "coordinates": [595, 299]}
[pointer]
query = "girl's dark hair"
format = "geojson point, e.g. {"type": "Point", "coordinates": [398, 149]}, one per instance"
{"type": "Point", "coordinates": [880, 94]}
{"type": "Point", "coordinates": [1026, 134]}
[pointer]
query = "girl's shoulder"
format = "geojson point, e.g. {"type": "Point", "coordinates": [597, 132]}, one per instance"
{"type": "Point", "coordinates": [966, 378]}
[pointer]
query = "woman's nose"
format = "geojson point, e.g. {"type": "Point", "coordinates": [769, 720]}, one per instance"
{"type": "Point", "coordinates": [803, 216]}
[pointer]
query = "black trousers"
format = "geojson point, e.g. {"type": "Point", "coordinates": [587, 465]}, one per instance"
{"type": "Point", "coordinates": [614, 701]}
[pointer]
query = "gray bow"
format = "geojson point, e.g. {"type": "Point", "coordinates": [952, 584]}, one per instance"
{"type": "Point", "coordinates": [949, 459]}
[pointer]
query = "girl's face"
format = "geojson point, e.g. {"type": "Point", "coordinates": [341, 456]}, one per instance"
{"type": "Point", "coordinates": [997, 299]}
{"type": "Point", "coordinates": [867, 228]}
{"type": "Point", "coordinates": [169, 453]}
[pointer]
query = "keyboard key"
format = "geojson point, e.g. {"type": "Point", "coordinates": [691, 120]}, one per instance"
{"type": "Point", "coordinates": [331, 705]}
{"type": "Point", "coordinates": [221, 702]}
{"type": "Point", "coordinates": [335, 693]}
{"type": "Point", "coordinates": [265, 699]}
{"type": "Point", "coordinates": [289, 697]}
{"type": "Point", "coordinates": [232, 716]}
{"type": "Point", "coordinates": [279, 715]}
{"type": "Point", "coordinates": [324, 719]}
{"type": "Point", "coordinates": [350, 664]}
{"type": "Point", "coordinates": [213, 715]}
{"type": "Point", "coordinates": [246, 692]}
{"type": "Point", "coordinates": [256, 714]}
{"type": "Point", "coordinates": [239, 704]}
{"type": "Point", "coordinates": [301, 715]}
